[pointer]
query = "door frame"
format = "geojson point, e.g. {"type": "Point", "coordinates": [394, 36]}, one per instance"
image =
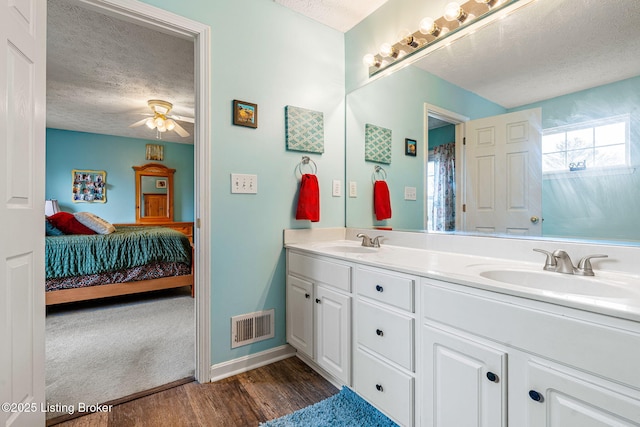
{"type": "Point", "coordinates": [161, 20]}
{"type": "Point", "coordinates": [459, 120]}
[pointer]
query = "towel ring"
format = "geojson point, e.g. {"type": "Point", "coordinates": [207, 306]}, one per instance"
{"type": "Point", "coordinates": [305, 161]}
{"type": "Point", "coordinates": [378, 170]}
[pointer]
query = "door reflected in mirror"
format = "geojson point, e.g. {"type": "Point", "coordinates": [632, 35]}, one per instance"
{"type": "Point", "coordinates": [154, 193]}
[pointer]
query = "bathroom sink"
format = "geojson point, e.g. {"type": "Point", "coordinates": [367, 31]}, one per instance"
{"type": "Point", "coordinates": [563, 283]}
{"type": "Point", "coordinates": [346, 248]}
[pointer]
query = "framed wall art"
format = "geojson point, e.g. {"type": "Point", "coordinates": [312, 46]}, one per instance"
{"type": "Point", "coordinates": [410, 147]}
{"type": "Point", "coordinates": [161, 183]}
{"type": "Point", "coordinates": [89, 186]}
{"type": "Point", "coordinates": [155, 152]}
{"type": "Point", "coordinates": [245, 114]}
{"type": "Point", "coordinates": [377, 144]}
{"type": "Point", "coordinates": [304, 129]}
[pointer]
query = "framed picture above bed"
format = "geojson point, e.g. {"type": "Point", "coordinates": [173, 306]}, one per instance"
{"type": "Point", "coordinates": [89, 186]}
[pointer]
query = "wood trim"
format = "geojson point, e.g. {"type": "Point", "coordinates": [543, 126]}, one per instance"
{"type": "Point", "coordinates": [116, 289]}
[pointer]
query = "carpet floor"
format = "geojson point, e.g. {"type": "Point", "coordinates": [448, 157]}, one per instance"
{"type": "Point", "coordinates": [341, 410]}
{"type": "Point", "coordinates": [100, 351]}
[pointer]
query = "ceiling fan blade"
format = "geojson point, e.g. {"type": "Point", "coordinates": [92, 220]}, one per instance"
{"type": "Point", "coordinates": [138, 123]}
{"type": "Point", "coordinates": [182, 118]}
{"type": "Point", "coordinates": [180, 131]}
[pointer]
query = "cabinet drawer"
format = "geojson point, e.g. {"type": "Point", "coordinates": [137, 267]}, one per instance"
{"type": "Point", "coordinates": [395, 290]}
{"type": "Point", "coordinates": [387, 333]}
{"type": "Point", "coordinates": [320, 270]}
{"type": "Point", "coordinates": [385, 387]}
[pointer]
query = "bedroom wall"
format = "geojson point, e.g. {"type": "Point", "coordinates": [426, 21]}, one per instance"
{"type": "Point", "coordinates": [68, 150]}
{"type": "Point", "coordinates": [269, 55]}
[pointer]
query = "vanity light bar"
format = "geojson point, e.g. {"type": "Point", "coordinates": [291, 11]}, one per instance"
{"type": "Point", "coordinates": [431, 31]}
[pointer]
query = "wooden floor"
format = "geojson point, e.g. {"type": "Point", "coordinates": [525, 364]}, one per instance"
{"type": "Point", "coordinates": [243, 400]}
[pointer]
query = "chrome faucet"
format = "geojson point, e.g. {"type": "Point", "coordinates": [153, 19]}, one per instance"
{"type": "Point", "coordinates": [369, 242]}
{"type": "Point", "coordinates": [560, 262]}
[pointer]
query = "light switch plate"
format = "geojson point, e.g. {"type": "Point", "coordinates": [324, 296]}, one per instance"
{"type": "Point", "coordinates": [353, 189]}
{"type": "Point", "coordinates": [336, 188]}
{"type": "Point", "coordinates": [244, 183]}
{"type": "Point", "coordinates": [410, 193]}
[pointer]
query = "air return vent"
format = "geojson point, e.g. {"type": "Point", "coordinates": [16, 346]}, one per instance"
{"type": "Point", "coordinates": [252, 327]}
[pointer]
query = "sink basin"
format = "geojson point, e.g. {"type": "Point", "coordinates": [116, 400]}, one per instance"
{"type": "Point", "coordinates": [563, 283]}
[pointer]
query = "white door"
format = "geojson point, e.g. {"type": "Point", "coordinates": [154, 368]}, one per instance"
{"type": "Point", "coordinates": [300, 315]}
{"type": "Point", "coordinates": [465, 382]}
{"type": "Point", "coordinates": [333, 335]}
{"type": "Point", "coordinates": [557, 399]}
{"type": "Point", "coordinates": [22, 159]}
{"type": "Point", "coordinates": [503, 188]}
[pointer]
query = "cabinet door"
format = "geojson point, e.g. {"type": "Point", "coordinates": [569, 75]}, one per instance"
{"type": "Point", "coordinates": [300, 315]}
{"type": "Point", "coordinates": [333, 332]}
{"type": "Point", "coordinates": [465, 382]}
{"type": "Point", "coordinates": [559, 399]}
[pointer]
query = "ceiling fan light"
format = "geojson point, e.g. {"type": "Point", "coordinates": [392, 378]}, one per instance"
{"type": "Point", "coordinates": [170, 124]}
{"type": "Point", "coordinates": [150, 123]}
{"type": "Point", "coordinates": [159, 122]}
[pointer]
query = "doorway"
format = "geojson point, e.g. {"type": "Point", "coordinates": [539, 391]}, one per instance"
{"type": "Point", "coordinates": [160, 20]}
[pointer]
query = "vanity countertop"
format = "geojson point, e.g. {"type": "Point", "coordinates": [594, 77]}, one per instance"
{"type": "Point", "coordinates": [606, 293]}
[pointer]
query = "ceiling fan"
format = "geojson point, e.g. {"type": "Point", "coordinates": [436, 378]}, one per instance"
{"type": "Point", "coordinates": [161, 120]}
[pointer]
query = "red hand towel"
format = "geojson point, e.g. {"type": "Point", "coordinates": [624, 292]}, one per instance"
{"type": "Point", "coordinates": [381, 200]}
{"type": "Point", "coordinates": [309, 199]}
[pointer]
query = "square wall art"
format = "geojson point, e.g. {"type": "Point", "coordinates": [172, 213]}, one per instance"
{"type": "Point", "coordinates": [304, 129]}
{"type": "Point", "coordinates": [377, 144]}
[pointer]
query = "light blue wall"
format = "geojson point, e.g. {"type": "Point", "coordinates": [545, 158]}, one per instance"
{"type": "Point", "coordinates": [596, 206]}
{"type": "Point", "coordinates": [67, 150]}
{"type": "Point", "coordinates": [442, 135]}
{"type": "Point", "coordinates": [396, 102]}
{"type": "Point", "coordinates": [269, 55]}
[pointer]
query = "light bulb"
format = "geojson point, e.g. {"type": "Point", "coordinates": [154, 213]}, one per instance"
{"type": "Point", "coordinates": [159, 122]}
{"type": "Point", "coordinates": [387, 50]}
{"type": "Point", "coordinates": [150, 123]}
{"type": "Point", "coordinates": [162, 128]}
{"type": "Point", "coordinates": [429, 26]}
{"type": "Point", "coordinates": [170, 124]}
{"type": "Point", "coordinates": [453, 12]}
{"type": "Point", "coordinates": [370, 60]}
{"type": "Point", "coordinates": [406, 37]}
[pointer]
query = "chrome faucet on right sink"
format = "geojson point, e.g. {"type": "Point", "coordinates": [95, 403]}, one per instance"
{"type": "Point", "coordinates": [560, 262]}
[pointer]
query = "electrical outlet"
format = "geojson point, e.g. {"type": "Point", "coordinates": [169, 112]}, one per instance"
{"type": "Point", "coordinates": [410, 193]}
{"type": "Point", "coordinates": [244, 183]}
{"type": "Point", "coordinates": [353, 189]}
{"type": "Point", "coordinates": [337, 188]}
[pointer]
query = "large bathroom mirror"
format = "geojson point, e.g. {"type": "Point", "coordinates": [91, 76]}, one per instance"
{"type": "Point", "coordinates": [575, 61]}
{"type": "Point", "coordinates": [154, 193]}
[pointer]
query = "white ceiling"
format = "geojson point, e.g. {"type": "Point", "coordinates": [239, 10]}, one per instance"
{"type": "Point", "coordinates": [101, 71]}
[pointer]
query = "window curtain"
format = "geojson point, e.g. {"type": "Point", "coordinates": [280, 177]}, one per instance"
{"type": "Point", "coordinates": [444, 184]}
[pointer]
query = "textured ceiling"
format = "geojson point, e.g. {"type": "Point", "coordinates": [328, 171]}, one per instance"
{"type": "Point", "coordinates": [545, 49]}
{"type": "Point", "coordinates": [101, 71]}
{"type": "Point", "coordinates": [339, 14]}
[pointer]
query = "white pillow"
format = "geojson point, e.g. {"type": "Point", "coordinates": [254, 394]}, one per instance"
{"type": "Point", "coordinates": [94, 222]}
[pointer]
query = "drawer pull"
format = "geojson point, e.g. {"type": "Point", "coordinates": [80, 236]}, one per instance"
{"type": "Point", "coordinates": [317, 301]}
{"type": "Point", "coordinates": [379, 332]}
{"type": "Point", "coordinates": [534, 395]}
{"type": "Point", "coordinates": [307, 296]}
{"type": "Point", "coordinates": [492, 377]}
{"type": "Point", "coordinates": [379, 288]}
{"type": "Point", "coordinates": [379, 387]}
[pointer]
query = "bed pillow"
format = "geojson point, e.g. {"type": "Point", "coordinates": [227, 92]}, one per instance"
{"type": "Point", "coordinates": [50, 230]}
{"type": "Point", "coordinates": [68, 224]}
{"type": "Point", "coordinates": [94, 222]}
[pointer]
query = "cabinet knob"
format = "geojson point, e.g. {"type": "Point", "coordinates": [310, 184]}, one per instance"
{"type": "Point", "coordinates": [307, 296]}
{"type": "Point", "coordinates": [379, 288]}
{"type": "Point", "coordinates": [379, 332]}
{"type": "Point", "coordinates": [534, 395]}
{"type": "Point", "coordinates": [317, 301]}
{"type": "Point", "coordinates": [379, 387]}
{"type": "Point", "coordinates": [492, 377]}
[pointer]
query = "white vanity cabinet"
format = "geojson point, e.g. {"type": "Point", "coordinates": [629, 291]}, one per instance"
{"type": "Point", "coordinates": [553, 366]}
{"type": "Point", "coordinates": [384, 344]}
{"type": "Point", "coordinates": [319, 312]}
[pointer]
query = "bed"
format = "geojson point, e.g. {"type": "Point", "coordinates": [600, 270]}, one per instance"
{"type": "Point", "coordinates": [133, 259]}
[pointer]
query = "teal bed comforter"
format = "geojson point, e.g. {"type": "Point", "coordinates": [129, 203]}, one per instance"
{"type": "Point", "coordinates": [127, 247]}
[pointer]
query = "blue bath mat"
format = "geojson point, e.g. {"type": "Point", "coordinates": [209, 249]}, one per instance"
{"type": "Point", "coordinates": [343, 409]}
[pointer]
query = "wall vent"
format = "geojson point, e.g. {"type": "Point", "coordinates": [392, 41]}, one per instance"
{"type": "Point", "coordinates": [252, 327]}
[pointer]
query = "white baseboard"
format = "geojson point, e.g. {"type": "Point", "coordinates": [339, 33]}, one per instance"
{"type": "Point", "coordinates": [253, 361]}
